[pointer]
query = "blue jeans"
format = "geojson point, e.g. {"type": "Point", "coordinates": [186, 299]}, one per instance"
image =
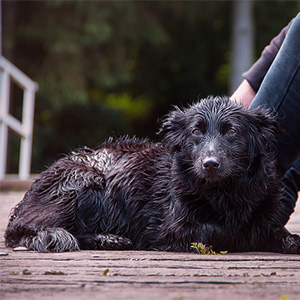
{"type": "Point", "coordinates": [280, 91]}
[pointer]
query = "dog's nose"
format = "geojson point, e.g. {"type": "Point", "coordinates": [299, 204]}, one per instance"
{"type": "Point", "coordinates": [211, 163]}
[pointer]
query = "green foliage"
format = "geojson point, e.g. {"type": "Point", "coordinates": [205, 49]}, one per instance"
{"type": "Point", "coordinates": [13, 273]}
{"type": "Point", "coordinates": [270, 17]}
{"type": "Point", "coordinates": [114, 67]}
{"type": "Point", "coordinates": [205, 250]}
{"type": "Point", "coordinates": [283, 297]}
{"type": "Point", "coordinates": [131, 108]}
{"type": "Point", "coordinates": [74, 126]}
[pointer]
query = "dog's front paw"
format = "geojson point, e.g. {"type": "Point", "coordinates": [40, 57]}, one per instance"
{"type": "Point", "coordinates": [291, 244]}
{"type": "Point", "coordinates": [114, 242]}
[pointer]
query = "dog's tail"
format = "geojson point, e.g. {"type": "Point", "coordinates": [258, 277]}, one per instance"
{"type": "Point", "coordinates": [46, 240]}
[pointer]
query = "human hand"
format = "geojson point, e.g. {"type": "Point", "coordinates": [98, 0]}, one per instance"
{"type": "Point", "coordinates": [244, 94]}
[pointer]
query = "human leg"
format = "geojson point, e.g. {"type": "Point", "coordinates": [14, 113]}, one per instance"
{"type": "Point", "coordinates": [291, 186]}
{"type": "Point", "coordinates": [280, 91]}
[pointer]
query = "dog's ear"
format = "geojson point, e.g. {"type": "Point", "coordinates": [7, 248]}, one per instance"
{"type": "Point", "coordinates": [263, 129]}
{"type": "Point", "coordinates": [265, 123]}
{"type": "Point", "coordinates": [173, 128]}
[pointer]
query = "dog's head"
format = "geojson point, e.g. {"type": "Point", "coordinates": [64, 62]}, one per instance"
{"type": "Point", "coordinates": [217, 138]}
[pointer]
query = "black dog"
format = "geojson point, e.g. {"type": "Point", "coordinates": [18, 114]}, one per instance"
{"type": "Point", "coordinates": [212, 180]}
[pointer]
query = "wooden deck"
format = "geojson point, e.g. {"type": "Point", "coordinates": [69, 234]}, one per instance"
{"type": "Point", "coordinates": [143, 274]}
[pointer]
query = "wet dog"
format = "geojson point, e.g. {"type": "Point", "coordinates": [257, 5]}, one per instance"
{"type": "Point", "coordinates": [212, 180]}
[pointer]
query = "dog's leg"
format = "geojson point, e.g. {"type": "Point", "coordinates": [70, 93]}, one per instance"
{"type": "Point", "coordinates": [290, 242]}
{"type": "Point", "coordinates": [103, 242]}
{"type": "Point", "coordinates": [53, 240]}
{"type": "Point", "coordinates": [181, 237]}
{"type": "Point", "coordinates": [44, 240]}
{"type": "Point", "coordinates": [284, 242]}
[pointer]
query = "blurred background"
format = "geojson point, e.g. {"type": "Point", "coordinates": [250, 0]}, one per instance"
{"type": "Point", "coordinates": [110, 68]}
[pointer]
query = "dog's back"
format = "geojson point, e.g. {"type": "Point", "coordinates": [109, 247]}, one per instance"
{"type": "Point", "coordinates": [108, 190]}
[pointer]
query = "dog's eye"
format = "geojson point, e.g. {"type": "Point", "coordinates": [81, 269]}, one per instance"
{"type": "Point", "coordinates": [196, 132]}
{"type": "Point", "coordinates": [231, 131]}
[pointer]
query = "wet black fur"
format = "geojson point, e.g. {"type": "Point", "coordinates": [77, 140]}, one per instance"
{"type": "Point", "coordinates": [135, 194]}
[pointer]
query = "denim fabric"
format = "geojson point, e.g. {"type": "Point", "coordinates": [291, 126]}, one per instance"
{"type": "Point", "coordinates": [280, 91]}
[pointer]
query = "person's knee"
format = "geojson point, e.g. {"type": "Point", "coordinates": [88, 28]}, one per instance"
{"type": "Point", "coordinates": [295, 27]}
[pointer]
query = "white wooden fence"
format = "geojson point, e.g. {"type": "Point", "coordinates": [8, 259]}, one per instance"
{"type": "Point", "coordinates": [23, 128]}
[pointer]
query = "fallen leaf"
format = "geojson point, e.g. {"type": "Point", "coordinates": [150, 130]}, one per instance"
{"type": "Point", "coordinates": [54, 273]}
{"type": "Point", "coordinates": [105, 272]}
{"type": "Point", "coordinates": [26, 272]}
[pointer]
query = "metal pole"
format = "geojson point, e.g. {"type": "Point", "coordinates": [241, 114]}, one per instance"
{"type": "Point", "coordinates": [4, 103]}
{"type": "Point", "coordinates": [0, 27]}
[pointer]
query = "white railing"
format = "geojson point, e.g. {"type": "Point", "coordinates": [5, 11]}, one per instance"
{"type": "Point", "coordinates": [23, 128]}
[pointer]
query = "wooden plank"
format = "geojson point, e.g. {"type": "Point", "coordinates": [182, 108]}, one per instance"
{"type": "Point", "coordinates": [145, 274]}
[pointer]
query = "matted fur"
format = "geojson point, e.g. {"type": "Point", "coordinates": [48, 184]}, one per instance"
{"type": "Point", "coordinates": [211, 180]}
